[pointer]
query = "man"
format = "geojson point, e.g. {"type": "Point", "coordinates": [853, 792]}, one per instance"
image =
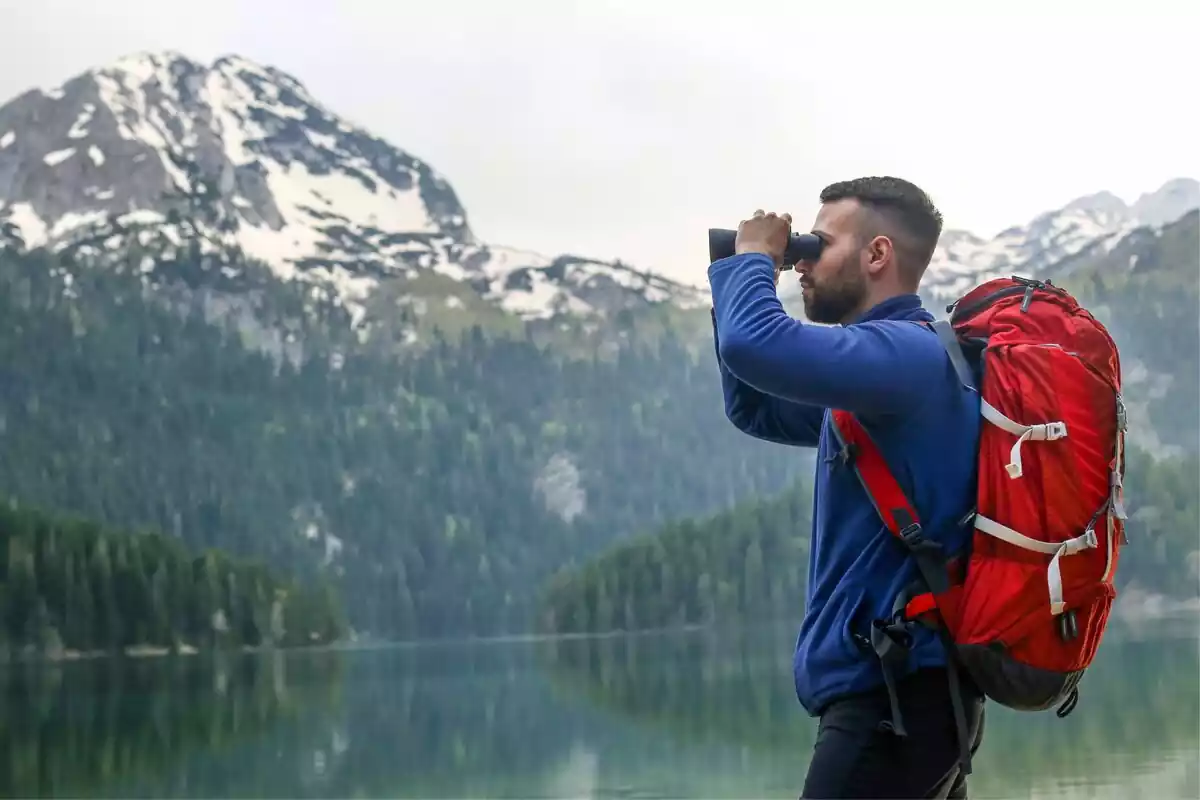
{"type": "Point", "coordinates": [779, 376]}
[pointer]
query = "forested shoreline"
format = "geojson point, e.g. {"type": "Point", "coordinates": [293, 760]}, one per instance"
{"type": "Point", "coordinates": [748, 564]}
{"type": "Point", "coordinates": [71, 588]}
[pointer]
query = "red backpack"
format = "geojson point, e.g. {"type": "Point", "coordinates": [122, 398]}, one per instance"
{"type": "Point", "coordinates": [1023, 610]}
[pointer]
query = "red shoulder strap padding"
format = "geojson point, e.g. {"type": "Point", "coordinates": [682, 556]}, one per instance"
{"type": "Point", "coordinates": [881, 486]}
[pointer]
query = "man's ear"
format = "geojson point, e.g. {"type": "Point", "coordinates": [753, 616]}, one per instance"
{"type": "Point", "coordinates": [880, 252]}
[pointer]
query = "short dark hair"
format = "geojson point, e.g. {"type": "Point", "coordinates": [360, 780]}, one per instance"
{"type": "Point", "coordinates": [907, 215]}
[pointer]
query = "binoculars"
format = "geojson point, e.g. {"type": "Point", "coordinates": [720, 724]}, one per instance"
{"type": "Point", "coordinates": [801, 247]}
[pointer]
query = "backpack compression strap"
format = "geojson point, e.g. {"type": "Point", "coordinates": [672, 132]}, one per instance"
{"type": "Point", "coordinates": [890, 638]}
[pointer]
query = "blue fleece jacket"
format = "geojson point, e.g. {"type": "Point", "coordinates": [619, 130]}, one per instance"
{"type": "Point", "coordinates": [779, 376]}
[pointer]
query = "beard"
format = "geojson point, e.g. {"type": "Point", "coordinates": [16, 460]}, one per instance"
{"type": "Point", "coordinates": [838, 298]}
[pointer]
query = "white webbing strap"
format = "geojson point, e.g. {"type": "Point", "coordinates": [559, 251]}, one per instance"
{"type": "Point", "coordinates": [1056, 549]}
{"type": "Point", "coordinates": [1117, 502]}
{"type": "Point", "coordinates": [1116, 498]}
{"type": "Point", "coordinates": [1043, 432]}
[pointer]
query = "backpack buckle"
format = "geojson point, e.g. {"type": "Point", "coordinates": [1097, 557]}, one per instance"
{"type": "Point", "coordinates": [1055, 430]}
{"type": "Point", "coordinates": [914, 539]}
{"type": "Point", "coordinates": [912, 535]}
{"type": "Point", "coordinates": [891, 639]}
{"type": "Point", "coordinates": [929, 555]}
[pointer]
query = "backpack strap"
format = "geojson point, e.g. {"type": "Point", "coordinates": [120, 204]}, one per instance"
{"type": "Point", "coordinates": [953, 347]}
{"type": "Point", "coordinates": [891, 638]}
{"type": "Point", "coordinates": [859, 450]}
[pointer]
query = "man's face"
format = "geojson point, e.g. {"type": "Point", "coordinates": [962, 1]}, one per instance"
{"type": "Point", "coordinates": [835, 285]}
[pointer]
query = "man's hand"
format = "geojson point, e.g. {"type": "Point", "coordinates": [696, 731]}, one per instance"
{"type": "Point", "coordinates": [767, 234]}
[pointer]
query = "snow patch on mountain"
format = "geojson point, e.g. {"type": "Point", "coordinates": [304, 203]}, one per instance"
{"type": "Point", "coordinates": [533, 286]}
{"type": "Point", "coordinates": [279, 176]}
{"type": "Point", "coordinates": [963, 260]}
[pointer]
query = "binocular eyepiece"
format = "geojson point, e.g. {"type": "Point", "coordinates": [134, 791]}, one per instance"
{"type": "Point", "coordinates": [801, 247]}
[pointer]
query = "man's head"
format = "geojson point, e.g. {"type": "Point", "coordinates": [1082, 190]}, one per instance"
{"type": "Point", "coordinates": [879, 236]}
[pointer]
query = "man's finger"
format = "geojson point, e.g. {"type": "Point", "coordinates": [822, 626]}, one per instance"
{"type": "Point", "coordinates": [758, 212]}
{"type": "Point", "coordinates": [787, 217]}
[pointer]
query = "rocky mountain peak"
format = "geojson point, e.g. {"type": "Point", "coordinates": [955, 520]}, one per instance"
{"type": "Point", "coordinates": [132, 145]}
{"type": "Point", "coordinates": [963, 259]}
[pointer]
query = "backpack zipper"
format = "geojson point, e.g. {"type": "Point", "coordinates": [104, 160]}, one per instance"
{"type": "Point", "coordinates": [1026, 286]}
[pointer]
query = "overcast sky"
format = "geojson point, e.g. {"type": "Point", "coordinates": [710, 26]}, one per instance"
{"type": "Point", "coordinates": [625, 129]}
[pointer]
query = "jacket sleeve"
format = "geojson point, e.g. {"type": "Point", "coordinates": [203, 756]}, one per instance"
{"type": "Point", "coordinates": [763, 416]}
{"type": "Point", "coordinates": [878, 368]}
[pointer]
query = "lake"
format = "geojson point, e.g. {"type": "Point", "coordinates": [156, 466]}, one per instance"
{"type": "Point", "coordinates": [702, 714]}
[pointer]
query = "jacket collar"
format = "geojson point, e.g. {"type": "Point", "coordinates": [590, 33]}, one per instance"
{"type": "Point", "coordinates": [902, 306]}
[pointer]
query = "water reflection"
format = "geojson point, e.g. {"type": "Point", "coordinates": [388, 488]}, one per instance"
{"type": "Point", "coordinates": [699, 714]}
{"type": "Point", "coordinates": [140, 726]}
{"type": "Point", "coordinates": [1135, 730]}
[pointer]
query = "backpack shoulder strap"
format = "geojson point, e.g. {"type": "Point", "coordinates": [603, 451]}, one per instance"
{"type": "Point", "coordinates": [889, 637]}
{"type": "Point", "coordinates": [860, 451]}
{"type": "Point", "coordinates": [949, 339]}
{"type": "Point", "coordinates": [954, 349]}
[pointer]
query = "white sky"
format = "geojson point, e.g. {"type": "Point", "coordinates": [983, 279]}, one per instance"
{"type": "Point", "coordinates": [625, 129]}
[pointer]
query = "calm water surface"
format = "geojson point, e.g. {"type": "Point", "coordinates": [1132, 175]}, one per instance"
{"type": "Point", "coordinates": [700, 714]}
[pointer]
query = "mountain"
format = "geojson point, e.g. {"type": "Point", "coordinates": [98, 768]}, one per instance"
{"type": "Point", "coordinates": [156, 148]}
{"type": "Point", "coordinates": [126, 153]}
{"type": "Point", "coordinates": [963, 259]}
{"type": "Point", "coordinates": [169, 361]}
{"type": "Point", "coordinates": [214, 290]}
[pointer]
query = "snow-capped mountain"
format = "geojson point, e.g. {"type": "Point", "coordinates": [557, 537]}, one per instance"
{"type": "Point", "coordinates": [157, 146]}
{"type": "Point", "coordinates": [963, 259]}
{"type": "Point", "coordinates": [122, 152]}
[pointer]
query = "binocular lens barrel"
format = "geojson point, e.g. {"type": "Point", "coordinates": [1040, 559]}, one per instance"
{"type": "Point", "coordinates": [802, 247]}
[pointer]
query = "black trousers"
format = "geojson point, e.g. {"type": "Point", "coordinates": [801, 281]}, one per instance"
{"type": "Point", "coordinates": [856, 756]}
